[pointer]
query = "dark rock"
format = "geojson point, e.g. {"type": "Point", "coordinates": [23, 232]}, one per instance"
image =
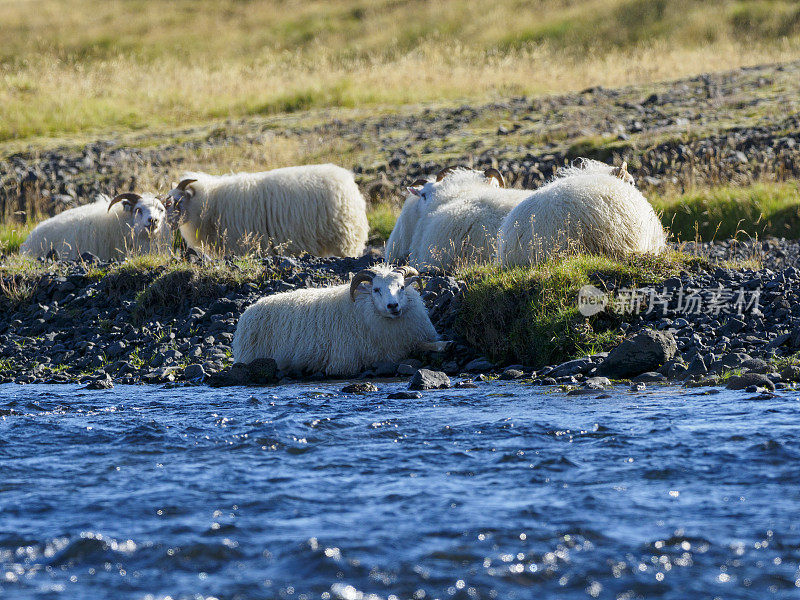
{"type": "Point", "coordinates": [263, 371]}
{"type": "Point", "coordinates": [361, 387]}
{"type": "Point", "coordinates": [790, 373]}
{"type": "Point", "coordinates": [386, 369]}
{"type": "Point", "coordinates": [478, 365]}
{"type": "Point", "coordinates": [597, 383]}
{"type": "Point", "coordinates": [697, 366]}
{"type": "Point", "coordinates": [741, 382]}
{"type": "Point", "coordinates": [194, 373]}
{"type": "Point", "coordinates": [404, 396]}
{"type": "Point", "coordinates": [465, 385]}
{"type": "Point", "coordinates": [510, 374]}
{"type": "Point", "coordinates": [645, 351]}
{"type": "Point", "coordinates": [649, 377]}
{"type": "Point", "coordinates": [425, 379]}
{"type": "Point", "coordinates": [103, 383]}
{"type": "Point", "coordinates": [408, 367]}
{"type": "Point", "coordinates": [756, 365]}
{"type": "Point", "coordinates": [572, 367]}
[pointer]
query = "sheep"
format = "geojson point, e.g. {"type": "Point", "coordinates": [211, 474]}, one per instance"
{"type": "Point", "coordinates": [109, 229]}
{"type": "Point", "coordinates": [339, 330]}
{"type": "Point", "coordinates": [454, 220]}
{"type": "Point", "coordinates": [316, 209]}
{"type": "Point", "coordinates": [591, 207]}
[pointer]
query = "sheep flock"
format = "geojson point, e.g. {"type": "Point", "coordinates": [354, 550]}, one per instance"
{"type": "Point", "coordinates": [453, 219]}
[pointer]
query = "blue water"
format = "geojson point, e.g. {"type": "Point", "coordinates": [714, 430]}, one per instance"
{"type": "Point", "coordinates": [503, 492]}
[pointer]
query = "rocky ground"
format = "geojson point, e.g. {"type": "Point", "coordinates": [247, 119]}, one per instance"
{"type": "Point", "coordinates": [78, 323]}
{"type": "Point", "coordinates": [90, 322]}
{"type": "Point", "coordinates": [738, 126]}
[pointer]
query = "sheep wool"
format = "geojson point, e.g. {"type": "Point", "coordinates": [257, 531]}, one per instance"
{"type": "Point", "coordinates": [128, 228]}
{"type": "Point", "coordinates": [316, 209]}
{"type": "Point", "coordinates": [324, 329]}
{"type": "Point", "coordinates": [587, 208]}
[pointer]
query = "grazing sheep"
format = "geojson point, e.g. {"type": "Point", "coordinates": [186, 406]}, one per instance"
{"type": "Point", "coordinates": [592, 207]}
{"type": "Point", "coordinates": [109, 229]}
{"type": "Point", "coordinates": [316, 209]}
{"type": "Point", "coordinates": [453, 220]}
{"type": "Point", "coordinates": [339, 330]}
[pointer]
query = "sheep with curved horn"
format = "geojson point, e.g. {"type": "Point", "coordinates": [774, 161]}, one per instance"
{"type": "Point", "coordinates": [339, 330]}
{"type": "Point", "coordinates": [109, 229]}
{"type": "Point", "coordinates": [313, 208]}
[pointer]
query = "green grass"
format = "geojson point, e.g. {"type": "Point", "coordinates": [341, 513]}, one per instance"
{"type": "Point", "coordinates": [381, 217]}
{"type": "Point", "coordinates": [12, 235]}
{"type": "Point", "coordinates": [530, 315]}
{"type": "Point", "coordinates": [726, 212]}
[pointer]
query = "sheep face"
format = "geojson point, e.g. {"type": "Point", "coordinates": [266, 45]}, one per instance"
{"type": "Point", "coordinates": [177, 202]}
{"type": "Point", "coordinates": [387, 289]}
{"type": "Point", "coordinates": [147, 212]}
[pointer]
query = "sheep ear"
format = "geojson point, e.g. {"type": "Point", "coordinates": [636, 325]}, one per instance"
{"type": "Point", "coordinates": [412, 281]}
{"type": "Point", "coordinates": [414, 191]}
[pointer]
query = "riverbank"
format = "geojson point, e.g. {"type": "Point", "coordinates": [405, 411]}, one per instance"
{"type": "Point", "coordinates": [159, 319]}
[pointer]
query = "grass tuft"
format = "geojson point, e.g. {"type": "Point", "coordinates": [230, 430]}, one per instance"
{"type": "Point", "coordinates": [530, 315]}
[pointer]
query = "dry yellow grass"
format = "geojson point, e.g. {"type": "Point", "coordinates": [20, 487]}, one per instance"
{"type": "Point", "coordinates": [90, 66]}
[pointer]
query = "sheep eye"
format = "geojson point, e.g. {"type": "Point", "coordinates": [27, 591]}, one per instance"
{"type": "Point", "coordinates": [376, 291]}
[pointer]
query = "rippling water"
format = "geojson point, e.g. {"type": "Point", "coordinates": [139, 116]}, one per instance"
{"type": "Point", "coordinates": [502, 492]}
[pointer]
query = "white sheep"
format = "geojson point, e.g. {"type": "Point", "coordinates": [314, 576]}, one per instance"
{"type": "Point", "coordinates": [339, 330]}
{"type": "Point", "coordinates": [454, 220]}
{"type": "Point", "coordinates": [315, 208]}
{"type": "Point", "coordinates": [109, 229]}
{"type": "Point", "coordinates": [591, 207]}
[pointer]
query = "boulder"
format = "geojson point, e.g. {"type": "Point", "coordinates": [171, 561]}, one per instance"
{"type": "Point", "coordinates": [645, 351]}
{"type": "Point", "coordinates": [425, 379]}
{"type": "Point", "coordinates": [742, 382]}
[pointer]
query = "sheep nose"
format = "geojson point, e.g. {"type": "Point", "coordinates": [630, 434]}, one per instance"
{"type": "Point", "coordinates": [392, 307]}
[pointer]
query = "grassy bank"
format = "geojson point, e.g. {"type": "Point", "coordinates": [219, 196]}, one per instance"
{"type": "Point", "coordinates": [530, 315]}
{"type": "Point", "coordinates": [762, 209]}
{"type": "Point", "coordinates": [102, 66]}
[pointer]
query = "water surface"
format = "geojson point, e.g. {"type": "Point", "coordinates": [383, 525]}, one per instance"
{"type": "Point", "coordinates": [507, 491]}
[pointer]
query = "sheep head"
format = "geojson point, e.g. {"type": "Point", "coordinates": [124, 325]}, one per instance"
{"type": "Point", "coordinates": [387, 289]}
{"type": "Point", "coordinates": [148, 212]}
{"type": "Point", "coordinates": [177, 201]}
{"type": "Point", "coordinates": [622, 173]}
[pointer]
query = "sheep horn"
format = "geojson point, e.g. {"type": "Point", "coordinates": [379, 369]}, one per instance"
{"type": "Point", "coordinates": [122, 197]}
{"type": "Point", "coordinates": [407, 271]}
{"type": "Point", "coordinates": [182, 185]}
{"type": "Point", "coordinates": [494, 173]}
{"type": "Point", "coordinates": [443, 173]}
{"type": "Point", "coordinates": [419, 181]}
{"type": "Point", "coordinates": [360, 277]}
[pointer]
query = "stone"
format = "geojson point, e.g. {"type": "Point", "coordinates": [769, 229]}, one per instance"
{"type": "Point", "coordinates": [790, 373]}
{"type": "Point", "coordinates": [408, 367]}
{"type": "Point", "coordinates": [650, 377]}
{"type": "Point", "coordinates": [386, 368]}
{"type": "Point", "coordinates": [572, 367]}
{"type": "Point", "coordinates": [597, 383]}
{"type": "Point", "coordinates": [742, 382]}
{"type": "Point", "coordinates": [263, 370]}
{"type": "Point", "coordinates": [510, 374]}
{"type": "Point", "coordinates": [465, 385]}
{"type": "Point", "coordinates": [645, 351]}
{"type": "Point", "coordinates": [194, 373]}
{"type": "Point", "coordinates": [362, 387]}
{"type": "Point", "coordinates": [404, 396]}
{"type": "Point", "coordinates": [638, 386]}
{"type": "Point", "coordinates": [756, 365]}
{"type": "Point", "coordinates": [103, 383]}
{"type": "Point", "coordinates": [479, 364]}
{"type": "Point", "coordinates": [697, 366]}
{"type": "Point", "coordinates": [425, 379]}
{"type": "Point", "coordinates": [734, 360]}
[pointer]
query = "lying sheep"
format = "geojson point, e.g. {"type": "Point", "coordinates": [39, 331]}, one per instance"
{"type": "Point", "coordinates": [109, 229]}
{"type": "Point", "coordinates": [592, 207]}
{"type": "Point", "coordinates": [316, 209]}
{"type": "Point", "coordinates": [454, 220]}
{"type": "Point", "coordinates": [339, 330]}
